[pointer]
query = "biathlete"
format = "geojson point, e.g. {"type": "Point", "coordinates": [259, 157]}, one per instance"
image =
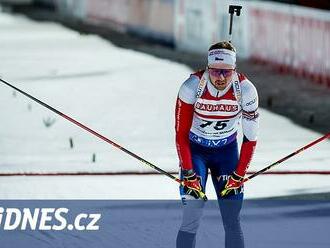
{"type": "Point", "coordinates": [212, 106]}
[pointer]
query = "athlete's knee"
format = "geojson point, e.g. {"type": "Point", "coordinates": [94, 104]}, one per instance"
{"type": "Point", "coordinates": [230, 213]}
{"type": "Point", "coordinates": [232, 224]}
{"type": "Point", "coordinates": [192, 213]}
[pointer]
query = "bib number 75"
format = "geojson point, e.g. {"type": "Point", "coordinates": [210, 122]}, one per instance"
{"type": "Point", "coordinates": [219, 125]}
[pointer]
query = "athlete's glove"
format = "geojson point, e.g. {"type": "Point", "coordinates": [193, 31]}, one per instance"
{"type": "Point", "coordinates": [192, 185]}
{"type": "Point", "coordinates": [233, 183]}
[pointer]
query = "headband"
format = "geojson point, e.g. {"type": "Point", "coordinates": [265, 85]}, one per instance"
{"type": "Point", "coordinates": [222, 56]}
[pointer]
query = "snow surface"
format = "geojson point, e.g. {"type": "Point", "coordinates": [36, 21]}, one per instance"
{"type": "Point", "coordinates": [127, 96]}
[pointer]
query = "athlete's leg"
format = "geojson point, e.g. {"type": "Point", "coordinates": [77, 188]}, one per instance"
{"type": "Point", "coordinates": [230, 212]}
{"type": "Point", "coordinates": [192, 208]}
{"type": "Point", "coordinates": [223, 164]}
{"type": "Point", "coordinates": [192, 213]}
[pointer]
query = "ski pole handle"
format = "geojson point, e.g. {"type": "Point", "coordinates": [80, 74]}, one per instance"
{"type": "Point", "coordinates": [200, 193]}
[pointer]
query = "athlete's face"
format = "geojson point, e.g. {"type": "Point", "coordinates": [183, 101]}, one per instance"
{"type": "Point", "coordinates": [221, 75]}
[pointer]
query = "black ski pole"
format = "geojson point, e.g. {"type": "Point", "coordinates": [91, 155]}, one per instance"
{"type": "Point", "coordinates": [223, 192]}
{"type": "Point", "coordinates": [287, 157]}
{"type": "Point", "coordinates": [202, 195]}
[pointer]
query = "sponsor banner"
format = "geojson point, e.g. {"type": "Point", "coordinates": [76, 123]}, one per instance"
{"type": "Point", "coordinates": [153, 19]}
{"type": "Point", "coordinates": [195, 25]}
{"type": "Point", "coordinates": [270, 33]}
{"type": "Point", "coordinates": [291, 38]}
{"type": "Point", "coordinates": [114, 13]}
{"type": "Point", "coordinates": [287, 36]}
{"type": "Point", "coordinates": [148, 18]}
{"type": "Point", "coordinates": [311, 38]}
{"type": "Point", "coordinates": [142, 223]}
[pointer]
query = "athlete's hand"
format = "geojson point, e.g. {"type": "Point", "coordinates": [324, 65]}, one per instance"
{"type": "Point", "coordinates": [192, 185]}
{"type": "Point", "coordinates": [234, 182]}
